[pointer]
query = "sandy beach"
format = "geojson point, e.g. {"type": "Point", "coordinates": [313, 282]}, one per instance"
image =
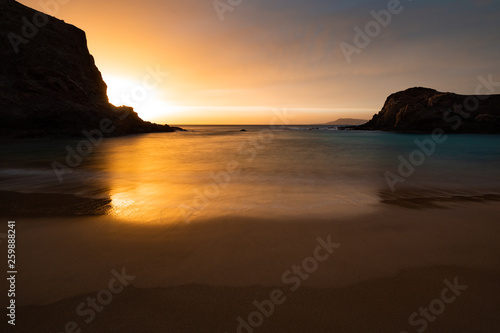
{"type": "Point", "coordinates": [203, 276]}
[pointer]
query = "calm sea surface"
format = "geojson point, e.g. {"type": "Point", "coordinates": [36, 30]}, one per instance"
{"type": "Point", "coordinates": [213, 171]}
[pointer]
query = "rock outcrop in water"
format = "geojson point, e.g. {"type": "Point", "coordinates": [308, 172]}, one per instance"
{"type": "Point", "coordinates": [421, 110]}
{"type": "Point", "coordinates": [49, 83]}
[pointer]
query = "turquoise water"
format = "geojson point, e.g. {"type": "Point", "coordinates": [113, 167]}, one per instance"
{"type": "Point", "coordinates": [213, 171]}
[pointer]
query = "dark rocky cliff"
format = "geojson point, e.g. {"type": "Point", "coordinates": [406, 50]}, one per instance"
{"type": "Point", "coordinates": [49, 83]}
{"type": "Point", "coordinates": [422, 110]}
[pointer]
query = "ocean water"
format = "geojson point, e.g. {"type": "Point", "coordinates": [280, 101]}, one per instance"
{"type": "Point", "coordinates": [291, 172]}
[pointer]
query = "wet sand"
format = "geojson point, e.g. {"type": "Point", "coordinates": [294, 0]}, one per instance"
{"type": "Point", "coordinates": [15, 205]}
{"type": "Point", "coordinates": [202, 276]}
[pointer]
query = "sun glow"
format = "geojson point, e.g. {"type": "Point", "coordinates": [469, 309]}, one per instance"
{"type": "Point", "coordinates": [148, 103]}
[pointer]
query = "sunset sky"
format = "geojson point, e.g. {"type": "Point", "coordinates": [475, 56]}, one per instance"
{"type": "Point", "coordinates": [268, 54]}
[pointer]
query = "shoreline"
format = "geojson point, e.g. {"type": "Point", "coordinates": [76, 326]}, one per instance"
{"type": "Point", "coordinates": [38, 204]}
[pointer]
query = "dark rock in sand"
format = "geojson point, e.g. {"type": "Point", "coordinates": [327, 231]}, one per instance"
{"type": "Point", "coordinates": [49, 83]}
{"type": "Point", "coordinates": [421, 110]}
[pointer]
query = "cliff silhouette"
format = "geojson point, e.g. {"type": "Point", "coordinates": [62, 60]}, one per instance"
{"type": "Point", "coordinates": [49, 83]}
{"type": "Point", "coordinates": [422, 110]}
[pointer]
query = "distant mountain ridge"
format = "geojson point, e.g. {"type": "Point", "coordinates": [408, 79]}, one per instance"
{"type": "Point", "coordinates": [49, 83]}
{"type": "Point", "coordinates": [422, 110]}
{"type": "Point", "coordinates": [347, 122]}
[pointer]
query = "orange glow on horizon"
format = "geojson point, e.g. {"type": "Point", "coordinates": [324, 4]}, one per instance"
{"type": "Point", "coordinates": [227, 72]}
{"type": "Point", "coordinates": [151, 106]}
{"type": "Point", "coordinates": [206, 84]}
